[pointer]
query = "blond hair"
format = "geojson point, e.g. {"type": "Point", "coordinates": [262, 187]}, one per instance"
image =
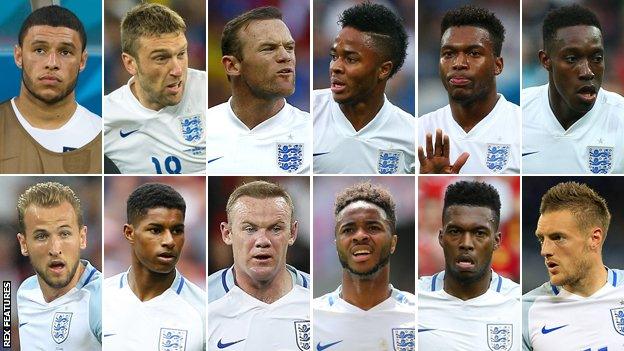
{"type": "Point", "coordinates": [49, 194]}
{"type": "Point", "coordinates": [259, 189]}
{"type": "Point", "coordinates": [148, 20]}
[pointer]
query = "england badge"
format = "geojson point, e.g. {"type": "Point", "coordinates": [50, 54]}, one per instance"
{"type": "Point", "coordinates": [500, 337]}
{"type": "Point", "coordinates": [617, 316]}
{"type": "Point", "coordinates": [192, 128]}
{"type": "Point", "coordinates": [289, 156]}
{"type": "Point", "coordinates": [388, 161]}
{"type": "Point", "coordinates": [172, 339]}
{"type": "Point", "coordinates": [404, 339]}
{"type": "Point", "coordinates": [497, 157]}
{"type": "Point", "coordinates": [60, 326]}
{"type": "Point", "coordinates": [600, 159]}
{"type": "Point", "coordinates": [302, 333]}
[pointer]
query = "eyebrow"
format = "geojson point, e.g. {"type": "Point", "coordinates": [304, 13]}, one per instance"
{"type": "Point", "coordinates": [63, 43]}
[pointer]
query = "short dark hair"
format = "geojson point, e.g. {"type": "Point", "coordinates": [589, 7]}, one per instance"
{"type": "Point", "coordinates": [567, 16]}
{"type": "Point", "coordinates": [230, 42]}
{"type": "Point", "coordinates": [54, 16]}
{"type": "Point", "coordinates": [385, 28]}
{"type": "Point", "coordinates": [147, 20]}
{"type": "Point", "coordinates": [472, 193]}
{"type": "Point", "coordinates": [368, 192]}
{"type": "Point", "coordinates": [476, 17]}
{"type": "Point", "coordinates": [152, 195]}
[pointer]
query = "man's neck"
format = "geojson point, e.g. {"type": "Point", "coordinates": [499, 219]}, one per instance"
{"type": "Point", "coordinates": [361, 113]}
{"type": "Point", "coordinates": [146, 284]}
{"type": "Point", "coordinates": [468, 115]}
{"type": "Point", "coordinates": [564, 114]}
{"type": "Point", "coordinates": [268, 291]}
{"type": "Point", "coordinates": [252, 110]}
{"type": "Point", "coordinates": [467, 291]}
{"type": "Point", "coordinates": [593, 280]}
{"type": "Point", "coordinates": [366, 293]}
{"type": "Point", "coordinates": [43, 115]}
{"type": "Point", "coordinates": [50, 294]}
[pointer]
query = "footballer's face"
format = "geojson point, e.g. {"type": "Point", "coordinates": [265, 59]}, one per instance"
{"type": "Point", "coordinates": [565, 248]}
{"type": "Point", "coordinates": [159, 69]}
{"type": "Point", "coordinates": [52, 240]}
{"type": "Point", "coordinates": [355, 68]}
{"type": "Point", "coordinates": [259, 231]}
{"type": "Point", "coordinates": [50, 59]}
{"type": "Point", "coordinates": [364, 239]}
{"type": "Point", "coordinates": [575, 63]}
{"type": "Point", "coordinates": [468, 238]}
{"type": "Point", "coordinates": [468, 64]}
{"type": "Point", "coordinates": [267, 65]}
{"type": "Point", "coordinates": [157, 239]}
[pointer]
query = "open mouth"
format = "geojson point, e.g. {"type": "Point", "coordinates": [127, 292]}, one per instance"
{"type": "Point", "coordinates": [465, 263]}
{"type": "Point", "coordinates": [174, 87]}
{"type": "Point", "coordinates": [588, 93]}
{"type": "Point", "coordinates": [57, 266]}
{"type": "Point", "coordinates": [361, 254]}
{"type": "Point", "coordinates": [285, 71]}
{"type": "Point", "coordinates": [337, 86]}
{"type": "Point", "coordinates": [262, 257]}
{"type": "Point", "coordinates": [167, 256]}
{"type": "Point", "coordinates": [552, 266]}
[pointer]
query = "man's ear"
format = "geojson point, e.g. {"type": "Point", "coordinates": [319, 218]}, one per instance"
{"type": "Point", "coordinates": [545, 60]}
{"type": "Point", "coordinates": [22, 242]}
{"type": "Point", "coordinates": [226, 233]}
{"type": "Point", "coordinates": [130, 63]}
{"type": "Point", "coordinates": [128, 231]}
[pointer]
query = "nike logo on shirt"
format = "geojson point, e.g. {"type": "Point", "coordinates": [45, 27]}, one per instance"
{"type": "Point", "coordinates": [227, 344]}
{"type": "Point", "coordinates": [214, 159]}
{"type": "Point", "coordinates": [546, 331]}
{"type": "Point", "coordinates": [529, 153]}
{"type": "Point", "coordinates": [320, 153]}
{"type": "Point", "coordinates": [320, 347]}
{"type": "Point", "coordinates": [22, 324]}
{"type": "Point", "coordinates": [123, 135]}
{"type": "Point", "coordinates": [424, 330]}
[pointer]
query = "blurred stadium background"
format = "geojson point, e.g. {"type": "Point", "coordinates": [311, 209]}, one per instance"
{"type": "Point", "coordinates": [16, 268]}
{"type": "Point", "coordinates": [219, 190]}
{"type": "Point", "coordinates": [296, 15]}
{"type": "Point", "coordinates": [89, 87]}
{"type": "Point", "coordinates": [611, 189]}
{"type": "Point", "coordinates": [431, 93]}
{"type": "Point", "coordinates": [400, 88]}
{"type": "Point", "coordinates": [506, 260]}
{"type": "Point", "coordinates": [327, 268]}
{"type": "Point", "coordinates": [117, 259]}
{"type": "Point", "coordinates": [192, 11]}
{"type": "Point", "coordinates": [611, 16]}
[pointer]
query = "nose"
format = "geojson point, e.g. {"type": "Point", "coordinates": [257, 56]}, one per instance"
{"type": "Point", "coordinates": [262, 239]}
{"type": "Point", "coordinates": [585, 71]}
{"type": "Point", "coordinates": [460, 61]}
{"type": "Point", "coordinates": [55, 245]}
{"type": "Point", "coordinates": [177, 68]}
{"type": "Point", "coordinates": [465, 242]}
{"type": "Point", "coordinates": [361, 235]}
{"type": "Point", "coordinates": [546, 249]}
{"type": "Point", "coordinates": [283, 55]}
{"type": "Point", "coordinates": [336, 66]}
{"type": "Point", "coordinates": [52, 61]}
{"type": "Point", "coordinates": [167, 239]}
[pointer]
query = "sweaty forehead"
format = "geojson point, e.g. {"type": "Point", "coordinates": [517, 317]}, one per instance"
{"type": "Point", "coordinates": [361, 207]}
{"type": "Point", "coordinates": [465, 36]}
{"type": "Point", "coordinates": [464, 214]}
{"type": "Point", "coordinates": [577, 36]}
{"type": "Point", "coordinates": [246, 208]}
{"type": "Point", "coordinates": [259, 31]}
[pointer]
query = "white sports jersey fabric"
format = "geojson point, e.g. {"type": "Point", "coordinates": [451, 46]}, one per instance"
{"type": "Point", "coordinates": [493, 144]}
{"type": "Point", "coordinates": [385, 145]}
{"type": "Point", "coordinates": [174, 321]}
{"type": "Point", "coordinates": [81, 128]}
{"type": "Point", "coordinates": [594, 144]}
{"type": "Point", "coordinates": [70, 322]}
{"type": "Point", "coordinates": [169, 141]}
{"type": "Point", "coordinates": [340, 326]}
{"type": "Point", "coordinates": [280, 145]}
{"type": "Point", "coordinates": [239, 321]}
{"type": "Point", "coordinates": [554, 317]}
{"type": "Point", "coordinates": [487, 322]}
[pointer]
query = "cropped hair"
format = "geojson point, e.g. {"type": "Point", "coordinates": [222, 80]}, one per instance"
{"type": "Point", "coordinates": [230, 40]}
{"type": "Point", "coordinates": [152, 195]}
{"type": "Point", "coordinates": [476, 17]}
{"type": "Point", "coordinates": [475, 194]}
{"type": "Point", "coordinates": [383, 26]}
{"type": "Point", "coordinates": [371, 193]}
{"type": "Point", "coordinates": [53, 16]}
{"type": "Point", "coordinates": [48, 194]}
{"type": "Point", "coordinates": [567, 16]}
{"type": "Point", "coordinates": [589, 208]}
{"type": "Point", "coordinates": [259, 189]}
{"type": "Point", "coordinates": [148, 20]}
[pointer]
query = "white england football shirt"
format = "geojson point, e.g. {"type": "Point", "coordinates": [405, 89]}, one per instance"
{"type": "Point", "coordinates": [240, 322]}
{"type": "Point", "coordinates": [493, 144]}
{"type": "Point", "coordinates": [280, 145]}
{"type": "Point", "coordinates": [169, 141]}
{"type": "Point", "coordinates": [554, 317]}
{"type": "Point", "coordinates": [491, 321]}
{"type": "Point", "coordinates": [81, 128]}
{"type": "Point", "coordinates": [594, 144]}
{"type": "Point", "coordinates": [385, 145]}
{"type": "Point", "coordinates": [340, 326]}
{"type": "Point", "coordinates": [70, 322]}
{"type": "Point", "coordinates": [173, 321]}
